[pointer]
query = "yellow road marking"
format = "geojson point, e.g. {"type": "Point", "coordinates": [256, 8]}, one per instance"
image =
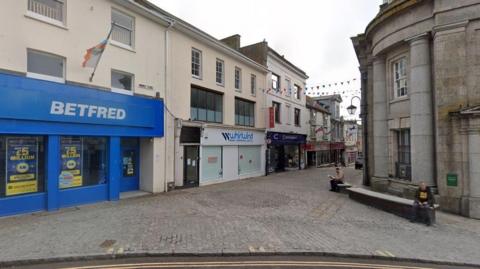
{"type": "Point", "coordinates": [389, 253]}
{"type": "Point", "coordinates": [246, 263]}
{"type": "Point", "coordinates": [381, 253]}
{"type": "Point", "coordinates": [251, 248]}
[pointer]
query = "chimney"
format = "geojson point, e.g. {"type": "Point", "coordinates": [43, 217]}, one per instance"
{"type": "Point", "coordinates": [232, 41]}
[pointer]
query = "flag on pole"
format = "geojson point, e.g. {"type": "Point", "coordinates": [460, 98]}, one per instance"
{"type": "Point", "coordinates": [94, 54]}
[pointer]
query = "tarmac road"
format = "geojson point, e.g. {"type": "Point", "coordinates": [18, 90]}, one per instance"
{"type": "Point", "coordinates": [257, 262]}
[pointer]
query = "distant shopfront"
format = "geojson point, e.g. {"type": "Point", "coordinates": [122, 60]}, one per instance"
{"type": "Point", "coordinates": [223, 154]}
{"type": "Point", "coordinates": [64, 145]}
{"type": "Point", "coordinates": [285, 151]}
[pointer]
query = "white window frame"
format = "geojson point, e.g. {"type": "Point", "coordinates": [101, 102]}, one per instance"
{"type": "Point", "coordinates": [47, 19]}
{"type": "Point", "coordinates": [122, 91]}
{"type": "Point", "coordinates": [279, 85]}
{"type": "Point", "coordinates": [253, 84]}
{"type": "Point", "coordinates": [132, 33]}
{"type": "Point", "coordinates": [299, 117]}
{"type": "Point", "coordinates": [239, 89]}
{"type": "Point", "coordinates": [222, 83]}
{"type": "Point", "coordinates": [47, 77]}
{"type": "Point", "coordinates": [297, 92]}
{"type": "Point", "coordinates": [288, 83]}
{"type": "Point", "coordinates": [199, 76]}
{"type": "Point", "coordinates": [400, 92]}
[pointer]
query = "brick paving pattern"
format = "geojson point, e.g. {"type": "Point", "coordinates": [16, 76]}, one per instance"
{"type": "Point", "coordinates": [287, 212]}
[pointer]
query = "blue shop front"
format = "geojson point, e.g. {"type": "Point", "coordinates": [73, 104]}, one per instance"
{"type": "Point", "coordinates": [63, 145]}
{"type": "Point", "coordinates": [285, 152]}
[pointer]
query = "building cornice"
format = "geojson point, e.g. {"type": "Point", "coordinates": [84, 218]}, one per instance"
{"type": "Point", "coordinates": [391, 10]}
{"type": "Point", "coordinates": [277, 57]}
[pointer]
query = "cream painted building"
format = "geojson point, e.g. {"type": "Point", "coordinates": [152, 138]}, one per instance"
{"type": "Point", "coordinates": [216, 106]}
{"type": "Point", "coordinates": [288, 117]}
{"type": "Point", "coordinates": [86, 141]}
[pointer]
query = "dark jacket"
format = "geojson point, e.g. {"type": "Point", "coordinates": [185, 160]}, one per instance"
{"type": "Point", "coordinates": [430, 198]}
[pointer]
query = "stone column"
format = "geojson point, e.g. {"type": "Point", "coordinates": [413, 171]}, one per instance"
{"type": "Point", "coordinates": [380, 127]}
{"type": "Point", "coordinates": [474, 172]}
{"type": "Point", "coordinates": [421, 111]}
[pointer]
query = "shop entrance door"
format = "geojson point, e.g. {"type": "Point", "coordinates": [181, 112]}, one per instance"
{"type": "Point", "coordinates": [130, 149]}
{"type": "Point", "coordinates": [190, 164]}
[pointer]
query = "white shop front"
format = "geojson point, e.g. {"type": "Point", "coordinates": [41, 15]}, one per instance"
{"type": "Point", "coordinates": [230, 154]}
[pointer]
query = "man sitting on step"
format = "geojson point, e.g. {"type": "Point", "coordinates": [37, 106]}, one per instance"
{"type": "Point", "coordinates": [423, 204]}
{"type": "Point", "coordinates": [337, 179]}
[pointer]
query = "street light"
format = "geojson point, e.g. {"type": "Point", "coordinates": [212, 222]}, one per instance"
{"type": "Point", "coordinates": [352, 109]}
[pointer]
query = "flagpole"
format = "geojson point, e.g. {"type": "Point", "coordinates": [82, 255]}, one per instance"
{"type": "Point", "coordinates": [100, 57]}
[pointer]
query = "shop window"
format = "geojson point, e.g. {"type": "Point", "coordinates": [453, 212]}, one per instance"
{"type": "Point", "coordinates": [22, 165]}
{"type": "Point", "coordinates": [83, 161]}
{"type": "Point", "coordinates": [123, 28]}
{"type": "Point", "coordinates": [249, 159]}
{"type": "Point", "coordinates": [212, 164]}
{"type": "Point", "coordinates": [122, 82]}
{"type": "Point", "coordinates": [244, 113]}
{"type": "Point", "coordinates": [292, 156]}
{"type": "Point", "coordinates": [206, 106]}
{"type": "Point", "coordinates": [41, 65]}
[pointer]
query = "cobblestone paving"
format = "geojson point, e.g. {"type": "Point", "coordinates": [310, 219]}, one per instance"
{"type": "Point", "coordinates": [287, 212]}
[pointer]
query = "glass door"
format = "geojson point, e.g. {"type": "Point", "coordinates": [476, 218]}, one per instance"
{"type": "Point", "coordinates": [130, 164]}
{"type": "Point", "coordinates": [191, 158]}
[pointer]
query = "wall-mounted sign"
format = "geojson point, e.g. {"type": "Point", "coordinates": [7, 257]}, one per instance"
{"type": "Point", "coordinates": [128, 163]}
{"type": "Point", "coordinates": [216, 136]}
{"type": "Point", "coordinates": [452, 180]}
{"type": "Point", "coordinates": [71, 163]}
{"type": "Point", "coordinates": [53, 108]}
{"type": "Point", "coordinates": [285, 138]}
{"type": "Point", "coordinates": [22, 165]}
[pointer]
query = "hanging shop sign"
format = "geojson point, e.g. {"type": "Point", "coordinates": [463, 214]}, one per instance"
{"type": "Point", "coordinates": [22, 165]}
{"type": "Point", "coordinates": [71, 163]}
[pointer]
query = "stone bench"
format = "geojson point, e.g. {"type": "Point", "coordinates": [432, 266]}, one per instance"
{"type": "Point", "coordinates": [396, 205]}
{"type": "Point", "coordinates": [343, 187]}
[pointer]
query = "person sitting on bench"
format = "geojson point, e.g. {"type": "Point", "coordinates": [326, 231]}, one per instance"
{"type": "Point", "coordinates": [337, 179]}
{"type": "Point", "coordinates": [423, 204]}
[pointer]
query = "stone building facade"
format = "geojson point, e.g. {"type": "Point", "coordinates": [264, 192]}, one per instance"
{"type": "Point", "coordinates": [420, 68]}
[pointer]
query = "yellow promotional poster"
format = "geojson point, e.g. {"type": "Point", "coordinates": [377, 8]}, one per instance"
{"type": "Point", "coordinates": [71, 170]}
{"type": "Point", "coordinates": [22, 165]}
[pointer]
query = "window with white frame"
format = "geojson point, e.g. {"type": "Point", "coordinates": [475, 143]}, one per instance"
{"type": "Point", "coordinates": [220, 72]}
{"type": "Point", "coordinates": [49, 9]}
{"type": "Point", "coordinates": [253, 84]}
{"type": "Point", "coordinates": [275, 82]}
{"type": "Point", "coordinates": [297, 116]}
{"type": "Point", "coordinates": [45, 66]}
{"type": "Point", "coordinates": [400, 77]}
{"type": "Point", "coordinates": [123, 28]}
{"type": "Point", "coordinates": [289, 87]}
{"type": "Point", "coordinates": [297, 91]}
{"type": "Point", "coordinates": [238, 78]}
{"type": "Point", "coordinates": [122, 82]}
{"type": "Point", "coordinates": [196, 63]}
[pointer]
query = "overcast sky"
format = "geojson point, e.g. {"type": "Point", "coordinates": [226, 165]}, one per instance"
{"type": "Point", "coordinates": [312, 34]}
